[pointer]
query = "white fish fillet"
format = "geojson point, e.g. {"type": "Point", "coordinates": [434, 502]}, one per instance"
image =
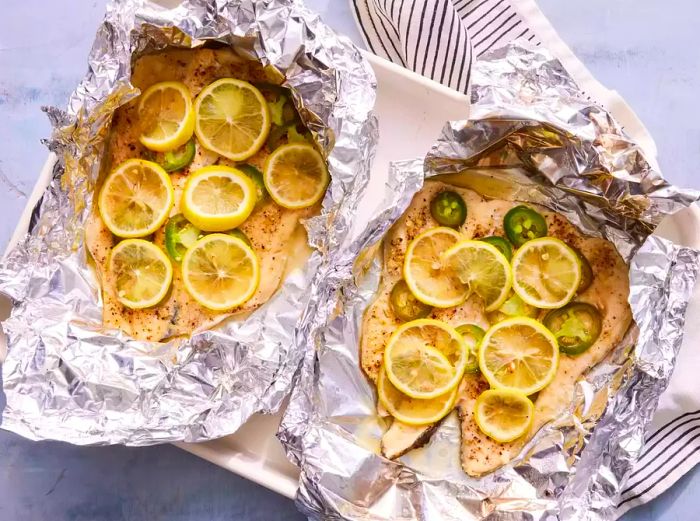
{"type": "Point", "coordinates": [608, 292]}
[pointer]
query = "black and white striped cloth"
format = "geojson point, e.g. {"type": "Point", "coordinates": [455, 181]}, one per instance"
{"type": "Point", "coordinates": [439, 39]}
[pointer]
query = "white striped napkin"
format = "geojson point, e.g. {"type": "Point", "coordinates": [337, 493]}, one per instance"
{"type": "Point", "coordinates": [439, 39]}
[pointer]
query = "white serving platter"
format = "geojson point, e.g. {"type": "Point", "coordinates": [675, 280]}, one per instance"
{"type": "Point", "coordinates": [411, 111]}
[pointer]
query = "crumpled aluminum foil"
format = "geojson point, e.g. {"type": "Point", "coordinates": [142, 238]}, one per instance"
{"type": "Point", "coordinates": [67, 378]}
{"type": "Point", "coordinates": [534, 137]}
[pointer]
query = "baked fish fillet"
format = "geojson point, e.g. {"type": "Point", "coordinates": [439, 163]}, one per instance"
{"type": "Point", "coordinates": [608, 292]}
{"type": "Point", "coordinates": [275, 233]}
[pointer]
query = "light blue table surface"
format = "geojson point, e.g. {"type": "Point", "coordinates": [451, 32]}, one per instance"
{"type": "Point", "coordinates": [645, 49]}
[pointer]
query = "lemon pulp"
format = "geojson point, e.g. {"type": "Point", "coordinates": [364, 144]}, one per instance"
{"type": "Point", "coordinates": [295, 175]}
{"type": "Point", "coordinates": [425, 272]}
{"type": "Point", "coordinates": [220, 271]}
{"type": "Point", "coordinates": [141, 273]}
{"type": "Point", "coordinates": [166, 116]}
{"type": "Point", "coordinates": [136, 198]}
{"type": "Point", "coordinates": [232, 118]}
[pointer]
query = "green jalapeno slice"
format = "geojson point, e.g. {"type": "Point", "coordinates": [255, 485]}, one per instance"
{"type": "Point", "coordinates": [405, 305]}
{"type": "Point", "coordinates": [180, 234]}
{"type": "Point", "coordinates": [449, 209]}
{"type": "Point", "coordinates": [174, 160]}
{"type": "Point", "coordinates": [522, 224]}
{"type": "Point", "coordinates": [242, 236]}
{"type": "Point", "coordinates": [257, 178]}
{"type": "Point", "coordinates": [586, 272]}
{"type": "Point", "coordinates": [576, 327]}
{"type": "Point", "coordinates": [501, 244]}
{"type": "Point", "coordinates": [472, 335]}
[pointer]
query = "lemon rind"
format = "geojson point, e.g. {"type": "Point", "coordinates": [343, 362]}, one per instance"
{"type": "Point", "coordinates": [491, 433]}
{"type": "Point", "coordinates": [195, 294]}
{"type": "Point", "coordinates": [523, 294]}
{"type": "Point", "coordinates": [186, 128]}
{"type": "Point", "coordinates": [438, 303]}
{"type": "Point", "coordinates": [161, 256]}
{"type": "Point", "coordinates": [459, 369]}
{"type": "Point", "coordinates": [218, 222]}
{"type": "Point", "coordinates": [493, 382]}
{"type": "Point", "coordinates": [164, 177]}
{"type": "Point", "coordinates": [260, 140]}
{"type": "Point", "coordinates": [411, 420]}
{"type": "Point", "coordinates": [503, 261]}
{"type": "Point", "coordinates": [285, 203]}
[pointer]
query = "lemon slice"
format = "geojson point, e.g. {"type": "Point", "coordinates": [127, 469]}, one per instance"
{"type": "Point", "coordinates": [483, 269]}
{"type": "Point", "coordinates": [218, 198]}
{"type": "Point", "coordinates": [425, 358]}
{"type": "Point", "coordinates": [220, 271]}
{"type": "Point", "coordinates": [410, 410]}
{"type": "Point", "coordinates": [136, 198]}
{"type": "Point", "coordinates": [141, 273]}
{"type": "Point", "coordinates": [503, 415]}
{"type": "Point", "coordinates": [519, 354]}
{"type": "Point", "coordinates": [166, 117]}
{"type": "Point", "coordinates": [296, 175]}
{"type": "Point", "coordinates": [427, 276]}
{"type": "Point", "coordinates": [546, 273]}
{"type": "Point", "coordinates": [232, 118]}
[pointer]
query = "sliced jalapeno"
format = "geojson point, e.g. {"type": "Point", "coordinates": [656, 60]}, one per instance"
{"type": "Point", "coordinates": [522, 224]}
{"type": "Point", "coordinates": [281, 107]}
{"type": "Point", "coordinates": [449, 209]}
{"type": "Point", "coordinates": [294, 136]}
{"type": "Point", "coordinates": [257, 177]}
{"type": "Point", "coordinates": [501, 244]}
{"type": "Point", "coordinates": [514, 306]}
{"type": "Point", "coordinates": [180, 234]}
{"type": "Point", "coordinates": [242, 236]}
{"type": "Point", "coordinates": [472, 335]}
{"type": "Point", "coordinates": [586, 272]}
{"type": "Point", "coordinates": [405, 305]}
{"type": "Point", "coordinates": [274, 138]}
{"type": "Point", "coordinates": [271, 87]}
{"type": "Point", "coordinates": [289, 113]}
{"type": "Point", "coordinates": [576, 327]}
{"type": "Point", "coordinates": [177, 159]}
{"type": "Point", "coordinates": [276, 110]}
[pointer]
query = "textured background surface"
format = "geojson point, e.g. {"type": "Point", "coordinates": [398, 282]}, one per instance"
{"type": "Point", "coordinates": [640, 48]}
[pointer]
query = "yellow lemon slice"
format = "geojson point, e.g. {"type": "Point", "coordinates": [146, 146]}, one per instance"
{"type": "Point", "coordinates": [220, 271]}
{"type": "Point", "coordinates": [136, 198]}
{"type": "Point", "coordinates": [410, 410]}
{"type": "Point", "coordinates": [140, 272]}
{"type": "Point", "coordinates": [519, 354]}
{"type": "Point", "coordinates": [483, 269]}
{"type": "Point", "coordinates": [295, 175]}
{"type": "Point", "coordinates": [232, 118]}
{"type": "Point", "coordinates": [425, 358]}
{"type": "Point", "coordinates": [166, 116]}
{"type": "Point", "coordinates": [546, 273]}
{"type": "Point", "coordinates": [503, 415]}
{"type": "Point", "coordinates": [218, 198]}
{"type": "Point", "coordinates": [425, 272]}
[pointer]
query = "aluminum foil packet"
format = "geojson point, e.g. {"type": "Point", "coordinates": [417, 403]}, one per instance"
{"type": "Point", "coordinates": [68, 378]}
{"type": "Point", "coordinates": [533, 137]}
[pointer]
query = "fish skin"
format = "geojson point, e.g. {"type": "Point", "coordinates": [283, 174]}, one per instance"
{"type": "Point", "coordinates": [401, 438]}
{"type": "Point", "coordinates": [609, 291]}
{"type": "Point", "coordinates": [269, 228]}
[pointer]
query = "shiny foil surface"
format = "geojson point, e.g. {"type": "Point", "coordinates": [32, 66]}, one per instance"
{"type": "Point", "coordinates": [69, 379]}
{"type": "Point", "coordinates": [533, 137]}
